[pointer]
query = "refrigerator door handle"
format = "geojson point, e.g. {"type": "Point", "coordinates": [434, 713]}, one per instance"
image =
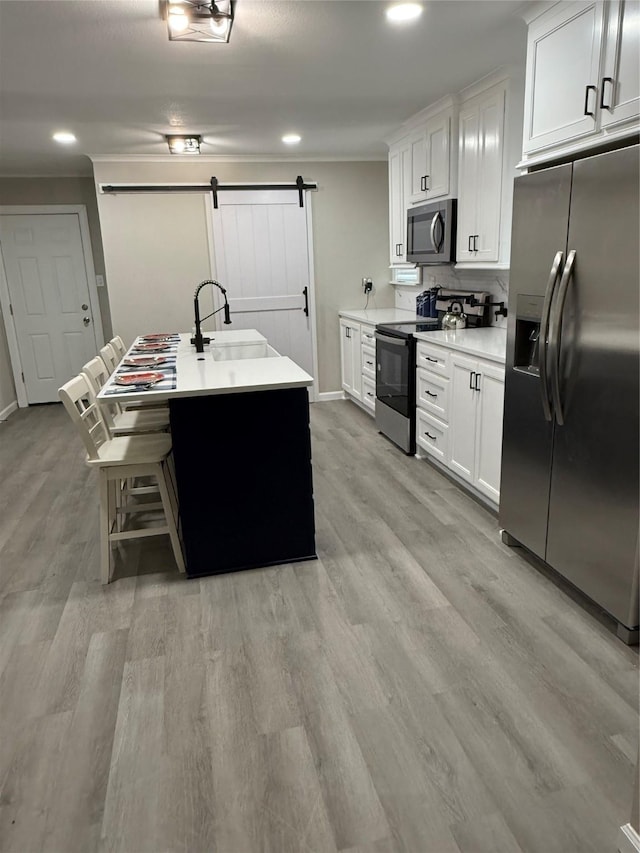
{"type": "Point", "coordinates": [555, 330]}
{"type": "Point", "coordinates": [544, 335]}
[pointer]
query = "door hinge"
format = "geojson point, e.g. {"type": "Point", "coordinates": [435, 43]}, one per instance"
{"type": "Point", "coordinates": [11, 309]}
{"type": "Point", "coordinates": [22, 374]}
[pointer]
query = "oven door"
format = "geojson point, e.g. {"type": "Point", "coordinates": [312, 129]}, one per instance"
{"type": "Point", "coordinates": [393, 372]}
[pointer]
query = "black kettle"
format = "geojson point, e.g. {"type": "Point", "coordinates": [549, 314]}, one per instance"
{"type": "Point", "coordinates": [454, 319]}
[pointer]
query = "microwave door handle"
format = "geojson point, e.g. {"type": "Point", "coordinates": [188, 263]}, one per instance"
{"type": "Point", "coordinates": [436, 243]}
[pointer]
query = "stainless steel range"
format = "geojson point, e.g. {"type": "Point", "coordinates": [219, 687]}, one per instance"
{"type": "Point", "coordinates": [396, 380]}
{"type": "Point", "coordinates": [396, 364]}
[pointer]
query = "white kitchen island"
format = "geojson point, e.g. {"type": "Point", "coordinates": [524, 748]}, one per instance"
{"type": "Point", "coordinates": [241, 444]}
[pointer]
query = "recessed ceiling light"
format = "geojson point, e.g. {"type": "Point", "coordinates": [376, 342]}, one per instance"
{"type": "Point", "coordinates": [291, 139]}
{"type": "Point", "coordinates": [404, 12]}
{"type": "Point", "coordinates": [64, 137]}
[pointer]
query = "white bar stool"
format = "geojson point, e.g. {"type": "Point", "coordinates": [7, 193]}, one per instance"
{"type": "Point", "coordinates": [118, 346]}
{"type": "Point", "coordinates": [120, 459]}
{"type": "Point", "coordinates": [121, 422]}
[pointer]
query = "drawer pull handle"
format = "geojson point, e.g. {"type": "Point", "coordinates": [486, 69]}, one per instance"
{"type": "Point", "coordinates": [432, 437]}
{"type": "Point", "coordinates": [369, 362]}
{"type": "Point", "coordinates": [471, 375]}
{"type": "Point", "coordinates": [426, 358]}
{"type": "Point", "coordinates": [369, 394]}
{"type": "Point", "coordinates": [429, 393]}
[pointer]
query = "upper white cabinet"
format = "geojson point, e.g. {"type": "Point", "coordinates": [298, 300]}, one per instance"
{"type": "Point", "coordinates": [430, 153]}
{"type": "Point", "coordinates": [582, 78]}
{"type": "Point", "coordinates": [480, 166]}
{"type": "Point", "coordinates": [422, 166]}
{"type": "Point", "coordinates": [620, 82]}
{"type": "Point", "coordinates": [399, 188]}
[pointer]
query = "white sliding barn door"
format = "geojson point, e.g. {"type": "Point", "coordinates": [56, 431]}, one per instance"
{"type": "Point", "coordinates": [262, 252]}
{"type": "Point", "coordinates": [50, 303]}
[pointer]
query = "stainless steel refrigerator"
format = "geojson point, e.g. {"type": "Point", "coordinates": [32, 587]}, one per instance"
{"type": "Point", "coordinates": [570, 459]}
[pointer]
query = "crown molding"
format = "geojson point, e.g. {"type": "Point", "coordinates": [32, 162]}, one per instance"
{"type": "Point", "coordinates": [194, 159]}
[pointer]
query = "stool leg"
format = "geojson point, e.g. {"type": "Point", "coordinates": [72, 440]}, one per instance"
{"type": "Point", "coordinates": [105, 528]}
{"type": "Point", "coordinates": [168, 512]}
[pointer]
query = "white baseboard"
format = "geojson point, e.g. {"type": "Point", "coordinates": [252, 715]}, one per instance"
{"type": "Point", "coordinates": [628, 839]}
{"type": "Point", "coordinates": [8, 410]}
{"type": "Point", "coordinates": [330, 395]}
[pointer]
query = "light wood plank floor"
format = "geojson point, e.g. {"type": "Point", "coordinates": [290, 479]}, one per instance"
{"type": "Point", "coordinates": [419, 688]}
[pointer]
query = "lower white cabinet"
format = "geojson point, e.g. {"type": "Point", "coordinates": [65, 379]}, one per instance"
{"type": "Point", "coordinates": [475, 423]}
{"type": "Point", "coordinates": [350, 358]}
{"type": "Point", "coordinates": [459, 403]}
{"type": "Point", "coordinates": [358, 362]}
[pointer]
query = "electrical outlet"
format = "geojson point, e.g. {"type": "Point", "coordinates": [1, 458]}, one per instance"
{"type": "Point", "coordinates": [367, 285]}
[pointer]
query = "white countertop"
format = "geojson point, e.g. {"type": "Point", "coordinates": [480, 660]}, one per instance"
{"type": "Point", "coordinates": [198, 374]}
{"type": "Point", "coordinates": [379, 315]}
{"type": "Point", "coordinates": [489, 342]}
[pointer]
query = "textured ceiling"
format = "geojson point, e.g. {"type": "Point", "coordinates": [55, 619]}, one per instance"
{"type": "Point", "coordinates": [334, 71]}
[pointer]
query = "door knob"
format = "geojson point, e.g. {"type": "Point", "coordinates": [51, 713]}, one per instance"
{"type": "Point", "coordinates": [85, 307]}
{"type": "Point", "coordinates": [86, 320]}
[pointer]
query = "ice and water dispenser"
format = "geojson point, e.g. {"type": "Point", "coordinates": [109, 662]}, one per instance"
{"type": "Point", "coordinates": [528, 318]}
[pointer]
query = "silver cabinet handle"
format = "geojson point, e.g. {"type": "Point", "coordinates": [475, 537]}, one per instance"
{"type": "Point", "coordinates": [86, 320]}
{"type": "Point", "coordinates": [555, 335]}
{"type": "Point", "coordinates": [544, 334]}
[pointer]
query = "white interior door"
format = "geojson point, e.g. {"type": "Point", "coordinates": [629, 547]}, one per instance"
{"type": "Point", "coordinates": [48, 288]}
{"type": "Point", "coordinates": [261, 246]}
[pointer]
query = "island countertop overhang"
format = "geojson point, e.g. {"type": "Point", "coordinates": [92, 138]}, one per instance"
{"type": "Point", "coordinates": [200, 374]}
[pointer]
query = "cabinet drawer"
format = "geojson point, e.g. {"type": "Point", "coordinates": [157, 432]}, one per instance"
{"type": "Point", "coordinates": [432, 436]}
{"type": "Point", "coordinates": [432, 358]}
{"type": "Point", "coordinates": [369, 393]}
{"type": "Point", "coordinates": [368, 336]}
{"type": "Point", "coordinates": [369, 362]}
{"type": "Point", "coordinates": [432, 393]}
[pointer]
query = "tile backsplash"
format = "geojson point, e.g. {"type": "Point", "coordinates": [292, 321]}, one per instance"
{"type": "Point", "coordinates": [497, 284]}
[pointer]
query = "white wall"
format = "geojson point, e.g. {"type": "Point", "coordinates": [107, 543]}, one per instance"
{"type": "Point", "coordinates": [156, 246]}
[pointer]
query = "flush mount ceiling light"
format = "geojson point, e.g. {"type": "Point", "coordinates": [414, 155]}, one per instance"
{"type": "Point", "coordinates": [401, 12]}
{"type": "Point", "coordinates": [64, 137]}
{"type": "Point", "coordinates": [193, 20]}
{"type": "Point", "coordinates": [291, 139]}
{"type": "Point", "coordinates": [184, 144]}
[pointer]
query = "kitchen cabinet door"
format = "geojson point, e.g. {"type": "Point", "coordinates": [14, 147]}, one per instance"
{"type": "Point", "coordinates": [399, 182]}
{"type": "Point", "coordinates": [480, 177]}
{"type": "Point", "coordinates": [438, 155]}
{"type": "Point", "coordinates": [562, 76]}
{"type": "Point", "coordinates": [488, 450]}
{"type": "Point", "coordinates": [620, 83]}
{"type": "Point", "coordinates": [462, 420]}
{"type": "Point", "coordinates": [417, 166]}
{"type": "Point", "coordinates": [468, 165]}
{"type": "Point", "coordinates": [350, 358]}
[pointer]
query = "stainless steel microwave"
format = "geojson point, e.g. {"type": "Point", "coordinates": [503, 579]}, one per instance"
{"type": "Point", "coordinates": [431, 232]}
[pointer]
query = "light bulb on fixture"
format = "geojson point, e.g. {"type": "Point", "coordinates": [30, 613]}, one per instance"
{"type": "Point", "coordinates": [291, 139]}
{"type": "Point", "coordinates": [184, 144]}
{"type": "Point", "coordinates": [177, 19]}
{"type": "Point", "coordinates": [199, 20]}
